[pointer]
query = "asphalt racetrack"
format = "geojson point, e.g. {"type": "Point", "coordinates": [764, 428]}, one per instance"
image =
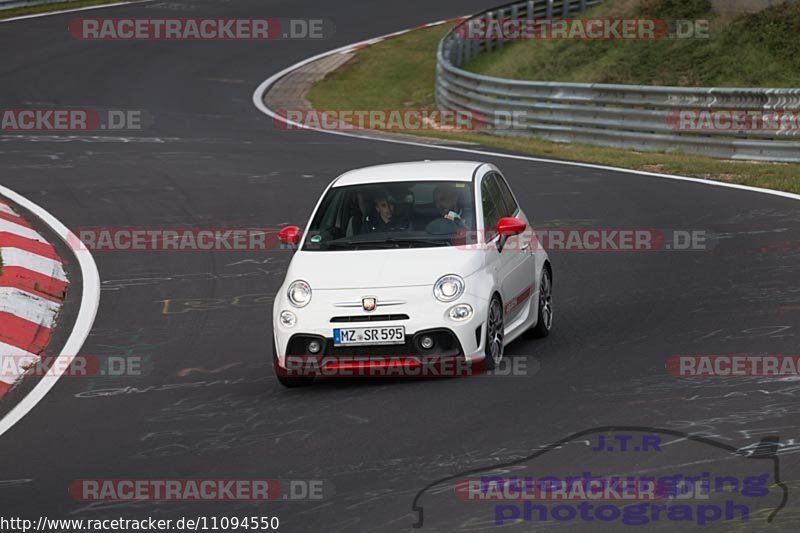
{"type": "Point", "coordinates": [207, 405]}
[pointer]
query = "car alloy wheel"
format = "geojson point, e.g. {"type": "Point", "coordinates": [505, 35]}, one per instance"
{"type": "Point", "coordinates": [494, 334]}
{"type": "Point", "coordinates": [546, 301]}
{"type": "Point", "coordinates": [545, 321]}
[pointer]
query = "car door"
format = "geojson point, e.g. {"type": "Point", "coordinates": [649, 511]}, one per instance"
{"type": "Point", "coordinates": [511, 264]}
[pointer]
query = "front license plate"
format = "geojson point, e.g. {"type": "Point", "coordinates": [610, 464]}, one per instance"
{"type": "Point", "coordinates": [381, 335]}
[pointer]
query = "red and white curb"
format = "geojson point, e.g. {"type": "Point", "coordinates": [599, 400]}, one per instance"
{"type": "Point", "coordinates": [33, 285]}
{"type": "Point", "coordinates": [32, 288]}
{"type": "Point", "coordinates": [369, 42]}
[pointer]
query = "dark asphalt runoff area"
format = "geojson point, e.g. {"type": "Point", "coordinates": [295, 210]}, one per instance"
{"type": "Point", "coordinates": [208, 406]}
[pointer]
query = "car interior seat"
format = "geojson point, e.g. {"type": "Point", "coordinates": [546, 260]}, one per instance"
{"type": "Point", "coordinates": [358, 213]}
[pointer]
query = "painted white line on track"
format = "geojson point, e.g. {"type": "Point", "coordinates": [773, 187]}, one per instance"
{"type": "Point", "coordinates": [71, 10]}
{"type": "Point", "coordinates": [90, 300]}
{"type": "Point", "coordinates": [261, 90]}
{"type": "Point", "coordinates": [14, 257]}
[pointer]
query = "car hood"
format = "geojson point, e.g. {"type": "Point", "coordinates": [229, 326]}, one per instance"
{"type": "Point", "coordinates": [360, 269]}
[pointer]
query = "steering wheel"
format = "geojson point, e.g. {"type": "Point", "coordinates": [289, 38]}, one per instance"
{"type": "Point", "coordinates": [441, 226]}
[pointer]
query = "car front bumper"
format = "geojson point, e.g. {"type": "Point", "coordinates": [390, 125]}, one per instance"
{"type": "Point", "coordinates": [414, 308]}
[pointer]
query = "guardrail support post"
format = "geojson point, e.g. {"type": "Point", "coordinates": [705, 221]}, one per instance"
{"type": "Point", "coordinates": [487, 38]}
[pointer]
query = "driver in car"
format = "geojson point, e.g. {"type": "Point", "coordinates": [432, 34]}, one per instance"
{"type": "Point", "coordinates": [384, 218]}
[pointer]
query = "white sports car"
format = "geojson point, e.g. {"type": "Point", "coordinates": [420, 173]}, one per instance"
{"type": "Point", "coordinates": [409, 264]}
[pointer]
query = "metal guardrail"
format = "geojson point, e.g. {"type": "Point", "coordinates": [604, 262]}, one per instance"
{"type": "Point", "coordinates": [11, 4]}
{"type": "Point", "coordinates": [637, 117]}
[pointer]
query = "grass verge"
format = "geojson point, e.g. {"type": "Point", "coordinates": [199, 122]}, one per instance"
{"type": "Point", "coordinates": [46, 8]}
{"type": "Point", "coordinates": [754, 50]}
{"type": "Point", "coordinates": [399, 73]}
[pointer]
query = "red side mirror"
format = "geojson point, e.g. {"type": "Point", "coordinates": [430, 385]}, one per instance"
{"type": "Point", "coordinates": [509, 226]}
{"type": "Point", "coordinates": [289, 235]}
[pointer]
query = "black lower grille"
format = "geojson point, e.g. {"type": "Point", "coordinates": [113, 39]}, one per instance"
{"type": "Point", "coordinates": [376, 351]}
{"type": "Point", "coordinates": [369, 318]}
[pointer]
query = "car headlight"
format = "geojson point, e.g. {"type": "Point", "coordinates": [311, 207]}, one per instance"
{"type": "Point", "coordinates": [448, 288]}
{"type": "Point", "coordinates": [299, 293]}
{"type": "Point", "coordinates": [288, 319]}
{"type": "Point", "coordinates": [460, 312]}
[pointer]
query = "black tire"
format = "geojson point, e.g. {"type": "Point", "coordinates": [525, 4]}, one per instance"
{"type": "Point", "coordinates": [494, 334]}
{"type": "Point", "coordinates": [286, 380]}
{"type": "Point", "coordinates": [545, 308]}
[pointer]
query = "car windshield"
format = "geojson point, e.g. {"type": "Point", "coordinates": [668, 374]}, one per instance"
{"type": "Point", "coordinates": [408, 214]}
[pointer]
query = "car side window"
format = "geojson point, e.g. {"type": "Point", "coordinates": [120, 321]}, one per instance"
{"type": "Point", "coordinates": [493, 207]}
{"type": "Point", "coordinates": [508, 198]}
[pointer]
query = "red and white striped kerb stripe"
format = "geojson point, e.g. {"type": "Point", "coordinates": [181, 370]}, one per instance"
{"type": "Point", "coordinates": [32, 288]}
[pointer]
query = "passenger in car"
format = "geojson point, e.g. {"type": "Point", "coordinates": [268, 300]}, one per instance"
{"type": "Point", "coordinates": [447, 203]}
{"type": "Point", "coordinates": [385, 217]}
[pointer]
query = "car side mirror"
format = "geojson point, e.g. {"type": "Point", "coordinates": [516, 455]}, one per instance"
{"type": "Point", "coordinates": [290, 235]}
{"type": "Point", "coordinates": [508, 227]}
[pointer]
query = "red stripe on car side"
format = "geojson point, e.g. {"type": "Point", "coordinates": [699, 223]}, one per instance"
{"type": "Point", "coordinates": [519, 299]}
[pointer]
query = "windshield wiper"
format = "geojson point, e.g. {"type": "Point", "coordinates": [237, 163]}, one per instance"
{"type": "Point", "coordinates": [420, 240]}
{"type": "Point", "coordinates": [391, 242]}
